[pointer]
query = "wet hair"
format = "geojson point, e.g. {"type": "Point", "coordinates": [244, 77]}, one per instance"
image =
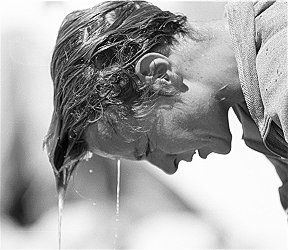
{"type": "Point", "coordinates": [92, 69]}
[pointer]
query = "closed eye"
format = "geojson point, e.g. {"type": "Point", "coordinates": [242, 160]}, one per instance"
{"type": "Point", "coordinates": [148, 149]}
{"type": "Point", "coordinates": [139, 157]}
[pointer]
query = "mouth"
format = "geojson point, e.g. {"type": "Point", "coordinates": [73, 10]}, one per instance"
{"type": "Point", "coordinates": [176, 162]}
{"type": "Point", "coordinates": [205, 151]}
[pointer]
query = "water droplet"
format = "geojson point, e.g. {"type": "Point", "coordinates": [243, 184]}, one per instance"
{"type": "Point", "coordinates": [84, 182]}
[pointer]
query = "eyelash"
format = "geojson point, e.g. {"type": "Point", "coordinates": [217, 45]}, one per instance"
{"type": "Point", "coordinates": [148, 149]}
{"type": "Point", "coordinates": [139, 157]}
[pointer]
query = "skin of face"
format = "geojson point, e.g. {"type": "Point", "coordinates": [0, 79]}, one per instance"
{"type": "Point", "coordinates": [205, 74]}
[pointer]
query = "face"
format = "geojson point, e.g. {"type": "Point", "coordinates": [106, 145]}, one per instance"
{"type": "Point", "coordinates": [195, 120]}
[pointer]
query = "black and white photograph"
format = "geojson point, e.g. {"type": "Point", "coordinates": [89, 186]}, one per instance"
{"type": "Point", "coordinates": [144, 125]}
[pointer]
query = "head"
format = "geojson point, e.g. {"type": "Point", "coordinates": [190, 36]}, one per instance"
{"type": "Point", "coordinates": [124, 87]}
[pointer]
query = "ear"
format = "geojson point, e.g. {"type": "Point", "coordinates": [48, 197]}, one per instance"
{"type": "Point", "coordinates": [152, 66]}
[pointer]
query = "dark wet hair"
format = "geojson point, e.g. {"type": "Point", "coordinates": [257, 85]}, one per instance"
{"type": "Point", "coordinates": [92, 68]}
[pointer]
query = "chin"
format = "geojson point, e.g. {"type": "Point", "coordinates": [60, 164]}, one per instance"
{"type": "Point", "coordinates": [169, 168]}
{"type": "Point", "coordinates": [170, 171]}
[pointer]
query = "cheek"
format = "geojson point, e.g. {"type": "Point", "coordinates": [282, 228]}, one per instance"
{"type": "Point", "coordinates": [172, 130]}
{"type": "Point", "coordinates": [185, 126]}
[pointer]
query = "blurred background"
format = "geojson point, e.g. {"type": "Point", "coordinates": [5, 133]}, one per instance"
{"type": "Point", "coordinates": [223, 202]}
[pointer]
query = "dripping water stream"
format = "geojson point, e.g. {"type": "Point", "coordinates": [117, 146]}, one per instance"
{"type": "Point", "coordinates": [62, 180]}
{"type": "Point", "coordinates": [117, 215]}
{"type": "Point", "coordinates": [61, 195]}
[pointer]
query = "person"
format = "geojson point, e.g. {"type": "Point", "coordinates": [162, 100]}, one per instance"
{"type": "Point", "coordinates": [132, 81]}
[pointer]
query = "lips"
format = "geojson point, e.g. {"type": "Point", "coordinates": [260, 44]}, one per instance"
{"type": "Point", "coordinates": [187, 158]}
{"type": "Point", "coordinates": [204, 152]}
{"type": "Point", "coordinates": [169, 162]}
